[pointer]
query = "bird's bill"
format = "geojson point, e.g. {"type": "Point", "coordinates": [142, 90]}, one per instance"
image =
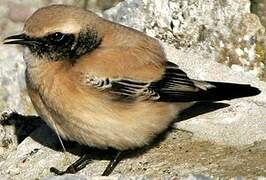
{"type": "Point", "coordinates": [21, 39]}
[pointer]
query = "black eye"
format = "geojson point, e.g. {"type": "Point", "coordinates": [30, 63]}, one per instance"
{"type": "Point", "coordinates": [57, 37]}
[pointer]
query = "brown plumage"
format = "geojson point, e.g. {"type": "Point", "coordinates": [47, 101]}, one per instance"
{"type": "Point", "coordinates": [103, 84]}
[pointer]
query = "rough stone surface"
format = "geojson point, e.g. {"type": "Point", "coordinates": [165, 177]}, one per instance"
{"type": "Point", "coordinates": [225, 139]}
{"type": "Point", "coordinates": [243, 122]}
{"type": "Point", "coordinates": [225, 29]}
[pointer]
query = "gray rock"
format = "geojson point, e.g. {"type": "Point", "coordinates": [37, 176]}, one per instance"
{"type": "Point", "coordinates": [243, 122]}
{"type": "Point", "coordinates": [224, 29]}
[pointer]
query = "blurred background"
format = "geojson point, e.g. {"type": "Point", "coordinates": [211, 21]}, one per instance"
{"type": "Point", "coordinates": [259, 7]}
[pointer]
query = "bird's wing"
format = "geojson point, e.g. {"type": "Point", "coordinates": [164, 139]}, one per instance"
{"type": "Point", "coordinates": [174, 86]}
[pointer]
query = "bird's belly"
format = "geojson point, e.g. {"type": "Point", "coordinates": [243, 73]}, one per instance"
{"type": "Point", "coordinates": [101, 123]}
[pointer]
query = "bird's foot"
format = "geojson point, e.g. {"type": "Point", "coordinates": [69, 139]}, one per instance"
{"type": "Point", "coordinates": [113, 163]}
{"type": "Point", "coordinates": [73, 168]}
{"type": "Point", "coordinates": [84, 160]}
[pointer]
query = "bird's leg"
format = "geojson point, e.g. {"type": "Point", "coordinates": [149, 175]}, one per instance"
{"type": "Point", "coordinates": [113, 163]}
{"type": "Point", "coordinates": [75, 167]}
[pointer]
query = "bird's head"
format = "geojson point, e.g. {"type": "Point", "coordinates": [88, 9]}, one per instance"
{"type": "Point", "coordinates": [59, 32]}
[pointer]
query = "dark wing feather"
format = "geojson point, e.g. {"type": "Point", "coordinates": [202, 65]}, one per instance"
{"type": "Point", "coordinates": [127, 89]}
{"type": "Point", "coordinates": [174, 86]}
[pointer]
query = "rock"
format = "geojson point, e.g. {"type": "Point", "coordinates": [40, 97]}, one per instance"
{"type": "Point", "coordinates": [241, 123]}
{"type": "Point", "coordinates": [103, 4]}
{"type": "Point", "coordinates": [30, 160]}
{"type": "Point", "coordinates": [67, 177]}
{"type": "Point", "coordinates": [258, 8]}
{"type": "Point", "coordinates": [224, 29]}
{"type": "Point", "coordinates": [19, 12]}
{"type": "Point", "coordinates": [76, 177]}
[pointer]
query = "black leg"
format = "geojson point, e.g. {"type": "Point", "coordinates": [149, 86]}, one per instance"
{"type": "Point", "coordinates": [111, 166]}
{"type": "Point", "coordinates": [75, 167]}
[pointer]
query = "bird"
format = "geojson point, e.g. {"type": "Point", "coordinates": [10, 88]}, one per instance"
{"type": "Point", "coordinates": [106, 85]}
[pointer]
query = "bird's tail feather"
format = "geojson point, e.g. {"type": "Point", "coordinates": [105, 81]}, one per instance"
{"type": "Point", "coordinates": [217, 91]}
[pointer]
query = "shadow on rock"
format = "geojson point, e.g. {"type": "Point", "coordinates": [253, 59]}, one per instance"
{"type": "Point", "coordinates": [200, 108]}
{"type": "Point", "coordinates": [23, 125]}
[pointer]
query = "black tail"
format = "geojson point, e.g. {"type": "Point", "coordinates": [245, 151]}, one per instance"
{"type": "Point", "coordinates": [226, 91]}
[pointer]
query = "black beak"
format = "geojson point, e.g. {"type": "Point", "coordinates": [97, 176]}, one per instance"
{"type": "Point", "coordinates": [21, 39]}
